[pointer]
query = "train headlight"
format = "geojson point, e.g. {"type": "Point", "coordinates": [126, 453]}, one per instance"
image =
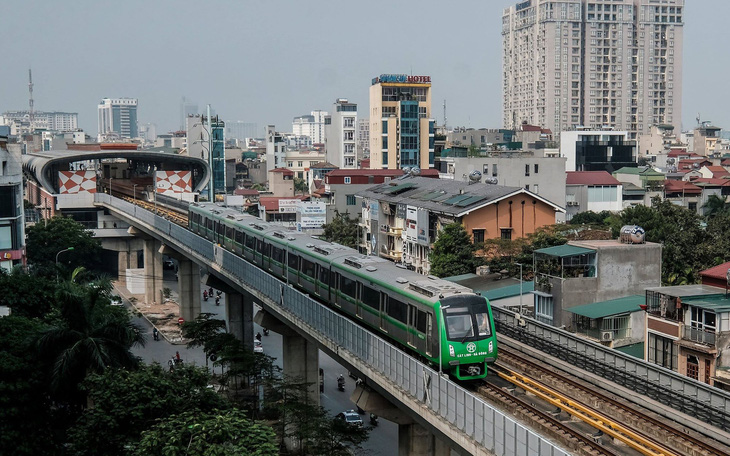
{"type": "Point", "coordinates": [491, 346]}
{"type": "Point", "coordinates": [451, 351]}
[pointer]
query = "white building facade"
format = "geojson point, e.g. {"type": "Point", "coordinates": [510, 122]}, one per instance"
{"type": "Point", "coordinates": [341, 137]}
{"type": "Point", "coordinates": [118, 116]}
{"type": "Point", "coordinates": [310, 125]}
{"type": "Point", "coordinates": [571, 63]}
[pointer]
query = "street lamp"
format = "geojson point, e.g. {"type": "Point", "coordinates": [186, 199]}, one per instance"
{"type": "Point", "coordinates": [520, 265]}
{"type": "Point", "coordinates": [64, 250]}
{"type": "Point", "coordinates": [134, 189]}
{"type": "Point", "coordinates": [443, 319]}
{"type": "Point", "coordinates": [110, 186]}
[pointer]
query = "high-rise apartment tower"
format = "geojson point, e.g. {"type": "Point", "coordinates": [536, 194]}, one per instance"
{"type": "Point", "coordinates": [118, 115]}
{"type": "Point", "coordinates": [593, 63]}
{"type": "Point", "coordinates": [401, 127]}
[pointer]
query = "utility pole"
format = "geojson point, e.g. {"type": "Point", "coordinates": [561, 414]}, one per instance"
{"type": "Point", "coordinates": [211, 190]}
{"type": "Point", "coordinates": [30, 101]}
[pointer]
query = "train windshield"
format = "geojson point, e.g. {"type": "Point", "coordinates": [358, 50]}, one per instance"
{"type": "Point", "coordinates": [467, 320]}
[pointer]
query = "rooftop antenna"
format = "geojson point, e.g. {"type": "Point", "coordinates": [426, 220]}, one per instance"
{"type": "Point", "coordinates": [698, 119]}
{"type": "Point", "coordinates": [30, 100]}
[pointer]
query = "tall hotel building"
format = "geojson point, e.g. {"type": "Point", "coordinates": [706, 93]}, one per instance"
{"type": "Point", "coordinates": [118, 115]}
{"type": "Point", "coordinates": [593, 63]}
{"type": "Point", "coordinates": [401, 127]}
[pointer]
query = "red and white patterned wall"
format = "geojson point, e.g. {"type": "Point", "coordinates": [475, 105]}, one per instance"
{"type": "Point", "coordinates": [173, 183]}
{"type": "Point", "coordinates": [77, 182]}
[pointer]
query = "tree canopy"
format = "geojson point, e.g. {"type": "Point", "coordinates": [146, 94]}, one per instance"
{"type": "Point", "coordinates": [45, 241]}
{"type": "Point", "coordinates": [454, 252]}
{"type": "Point", "coordinates": [342, 230]}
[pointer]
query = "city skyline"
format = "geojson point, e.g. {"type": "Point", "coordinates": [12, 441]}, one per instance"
{"type": "Point", "coordinates": [266, 76]}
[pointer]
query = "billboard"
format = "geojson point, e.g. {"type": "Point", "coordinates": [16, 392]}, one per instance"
{"type": "Point", "coordinates": [288, 205]}
{"type": "Point", "coordinates": [312, 214]}
{"type": "Point", "coordinates": [411, 224]}
{"type": "Point", "coordinates": [76, 182]}
{"type": "Point", "coordinates": [422, 227]}
{"type": "Point", "coordinates": [173, 183]}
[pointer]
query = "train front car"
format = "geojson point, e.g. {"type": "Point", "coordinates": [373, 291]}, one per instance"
{"type": "Point", "coordinates": [468, 338]}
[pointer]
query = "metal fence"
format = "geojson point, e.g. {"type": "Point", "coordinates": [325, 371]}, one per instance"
{"type": "Point", "coordinates": [702, 401]}
{"type": "Point", "coordinates": [495, 432]}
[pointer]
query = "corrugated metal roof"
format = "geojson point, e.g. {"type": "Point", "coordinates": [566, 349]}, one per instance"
{"type": "Point", "coordinates": [562, 251]}
{"type": "Point", "coordinates": [611, 307]}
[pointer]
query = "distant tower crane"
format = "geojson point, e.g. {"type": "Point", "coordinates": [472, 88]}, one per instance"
{"type": "Point", "coordinates": [30, 101]}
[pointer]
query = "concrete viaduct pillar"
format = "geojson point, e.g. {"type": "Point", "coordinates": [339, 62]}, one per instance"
{"type": "Point", "coordinates": [300, 357]}
{"type": "Point", "coordinates": [188, 283]}
{"type": "Point", "coordinates": [239, 310]}
{"type": "Point", "coordinates": [152, 271]}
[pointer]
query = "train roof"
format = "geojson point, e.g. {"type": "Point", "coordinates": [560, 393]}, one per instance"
{"type": "Point", "coordinates": [373, 268]}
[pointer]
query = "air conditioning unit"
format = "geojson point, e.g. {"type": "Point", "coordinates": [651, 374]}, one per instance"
{"type": "Point", "coordinates": [606, 336]}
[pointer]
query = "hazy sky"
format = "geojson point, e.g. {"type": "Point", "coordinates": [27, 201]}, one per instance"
{"type": "Point", "coordinates": [268, 61]}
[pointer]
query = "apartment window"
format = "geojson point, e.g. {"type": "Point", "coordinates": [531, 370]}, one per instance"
{"type": "Point", "coordinates": [662, 351]}
{"type": "Point", "coordinates": [527, 170]}
{"type": "Point", "coordinates": [494, 170]}
{"type": "Point", "coordinates": [300, 164]}
{"type": "Point", "coordinates": [620, 326]}
{"type": "Point", "coordinates": [536, 168]}
{"type": "Point", "coordinates": [535, 189]}
{"type": "Point", "coordinates": [350, 200]}
{"type": "Point", "coordinates": [478, 236]}
{"type": "Point", "coordinates": [348, 180]}
{"type": "Point", "coordinates": [544, 308]}
{"type": "Point", "coordinates": [506, 234]}
{"type": "Point", "coordinates": [290, 164]}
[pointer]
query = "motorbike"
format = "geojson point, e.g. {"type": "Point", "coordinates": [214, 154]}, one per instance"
{"type": "Point", "coordinates": [341, 383]}
{"type": "Point", "coordinates": [373, 419]}
{"type": "Point", "coordinates": [155, 334]}
{"type": "Point", "coordinates": [205, 296]}
{"type": "Point", "coordinates": [266, 332]}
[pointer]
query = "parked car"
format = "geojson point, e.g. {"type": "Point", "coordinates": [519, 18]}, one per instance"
{"type": "Point", "coordinates": [258, 347]}
{"type": "Point", "coordinates": [350, 417]}
{"type": "Point", "coordinates": [116, 301]}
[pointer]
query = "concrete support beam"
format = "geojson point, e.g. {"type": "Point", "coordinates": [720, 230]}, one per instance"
{"type": "Point", "coordinates": [188, 286]}
{"type": "Point", "coordinates": [268, 321]}
{"type": "Point", "coordinates": [372, 402]}
{"type": "Point", "coordinates": [239, 313]}
{"type": "Point", "coordinates": [415, 440]}
{"type": "Point", "coordinates": [301, 360]}
{"type": "Point", "coordinates": [152, 271]}
{"type": "Point", "coordinates": [122, 266]}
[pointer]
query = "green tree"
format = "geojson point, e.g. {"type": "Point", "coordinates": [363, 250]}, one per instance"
{"type": "Point", "coordinates": [203, 332]}
{"type": "Point", "coordinates": [28, 295]}
{"type": "Point", "coordinates": [126, 403]}
{"type": "Point", "coordinates": [335, 437]}
{"type": "Point", "coordinates": [300, 186]}
{"type": "Point", "coordinates": [216, 433]}
{"type": "Point", "coordinates": [454, 252]}
{"type": "Point", "coordinates": [45, 241]}
{"type": "Point", "coordinates": [342, 230]}
{"type": "Point", "coordinates": [27, 424]}
{"type": "Point", "coordinates": [89, 336]}
{"type": "Point", "coordinates": [591, 218]}
{"type": "Point", "coordinates": [716, 205]}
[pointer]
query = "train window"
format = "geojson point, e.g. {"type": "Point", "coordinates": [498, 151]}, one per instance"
{"type": "Point", "coordinates": [397, 310]}
{"type": "Point", "coordinates": [209, 224]}
{"type": "Point", "coordinates": [483, 324]}
{"type": "Point", "coordinates": [458, 324]}
{"type": "Point", "coordinates": [250, 241]}
{"type": "Point", "coordinates": [421, 321]}
{"type": "Point", "coordinates": [259, 246]}
{"type": "Point", "coordinates": [370, 297]}
{"type": "Point", "coordinates": [277, 254]}
{"type": "Point", "coordinates": [293, 261]}
{"type": "Point", "coordinates": [334, 280]}
{"type": "Point", "coordinates": [229, 232]}
{"type": "Point", "coordinates": [239, 236]}
{"type": "Point", "coordinates": [308, 268]}
{"type": "Point", "coordinates": [220, 229]}
{"type": "Point", "coordinates": [267, 250]}
{"type": "Point", "coordinates": [324, 275]}
{"type": "Point", "coordinates": [349, 287]}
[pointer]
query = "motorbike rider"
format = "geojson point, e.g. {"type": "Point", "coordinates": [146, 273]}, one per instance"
{"type": "Point", "coordinates": [341, 382]}
{"type": "Point", "coordinates": [258, 336]}
{"type": "Point", "coordinates": [205, 295]}
{"type": "Point", "coordinates": [155, 334]}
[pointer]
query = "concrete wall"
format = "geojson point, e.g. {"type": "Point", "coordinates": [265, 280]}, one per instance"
{"type": "Point", "coordinates": [523, 218]}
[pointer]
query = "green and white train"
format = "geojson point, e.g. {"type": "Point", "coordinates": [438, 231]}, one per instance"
{"type": "Point", "coordinates": [434, 318]}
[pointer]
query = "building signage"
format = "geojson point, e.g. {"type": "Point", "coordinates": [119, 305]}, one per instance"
{"type": "Point", "coordinates": [411, 224]}
{"type": "Point", "coordinates": [402, 79]}
{"type": "Point", "coordinates": [374, 210]}
{"type": "Point", "coordinates": [422, 227]}
{"type": "Point", "coordinates": [522, 5]}
{"type": "Point", "coordinates": [288, 205]}
{"type": "Point", "coordinates": [313, 215]}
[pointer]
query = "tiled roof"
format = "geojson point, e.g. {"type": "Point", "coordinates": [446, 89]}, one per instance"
{"type": "Point", "coordinates": [718, 171]}
{"type": "Point", "coordinates": [246, 192]}
{"type": "Point", "coordinates": [590, 178]}
{"type": "Point", "coordinates": [271, 203]}
{"type": "Point", "coordinates": [324, 165]}
{"type": "Point", "coordinates": [717, 272]}
{"type": "Point", "coordinates": [286, 172]}
{"type": "Point", "coordinates": [378, 172]}
{"type": "Point", "coordinates": [446, 196]}
{"type": "Point", "coordinates": [679, 186]}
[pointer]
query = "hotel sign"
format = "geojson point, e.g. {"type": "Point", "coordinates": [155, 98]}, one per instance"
{"type": "Point", "coordinates": [402, 78]}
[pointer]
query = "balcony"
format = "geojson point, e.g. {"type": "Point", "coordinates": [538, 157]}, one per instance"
{"type": "Point", "coordinates": [394, 255]}
{"type": "Point", "coordinates": [391, 231]}
{"type": "Point", "coordinates": [701, 336]}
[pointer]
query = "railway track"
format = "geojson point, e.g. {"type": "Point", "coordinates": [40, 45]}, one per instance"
{"type": "Point", "coordinates": [171, 214]}
{"type": "Point", "coordinates": [643, 431]}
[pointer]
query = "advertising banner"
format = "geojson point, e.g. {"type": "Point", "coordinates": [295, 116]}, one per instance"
{"type": "Point", "coordinates": [422, 227]}
{"type": "Point", "coordinates": [288, 205]}
{"type": "Point", "coordinates": [411, 224]}
{"type": "Point", "coordinates": [312, 214]}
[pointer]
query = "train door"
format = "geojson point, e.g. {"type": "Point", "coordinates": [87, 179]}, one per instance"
{"type": "Point", "coordinates": [383, 311]}
{"type": "Point", "coordinates": [358, 300]}
{"type": "Point", "coordinates": [317, 287]}
{"type": "Point", "coordinates": [429, 333]}
{"type": "Point", "coordinates": [336, 298]}
{"type": "Point", "coordinates": [411, 328]}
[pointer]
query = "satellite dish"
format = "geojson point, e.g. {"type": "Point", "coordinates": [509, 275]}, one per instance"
{"type": "Point", "coordinates": [491, 180]}
{"type": "Point", "coordinates": [475, 176]}
{"type": "Point", "coordinates": [670, 161]}
{"type": "Point", "coordinates": [406, 169]}
{"type": "Point", "coordinates": [415, 171]}
{"type": "Point", "coordinates": [696, 165]}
